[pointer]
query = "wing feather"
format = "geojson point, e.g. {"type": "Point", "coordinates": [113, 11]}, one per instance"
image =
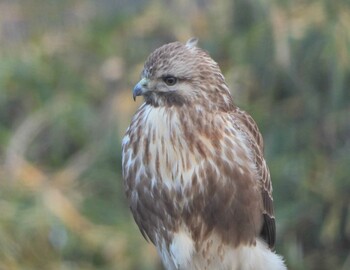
{"type": "Point", "coordinates": [268, 231]}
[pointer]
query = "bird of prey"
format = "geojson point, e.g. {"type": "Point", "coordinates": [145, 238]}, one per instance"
{"type": "Point", "coordinates": [193, 167]}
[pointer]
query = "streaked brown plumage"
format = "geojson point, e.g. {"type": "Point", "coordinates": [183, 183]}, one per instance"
{"type": "Point", "coordinates": [193, 167]}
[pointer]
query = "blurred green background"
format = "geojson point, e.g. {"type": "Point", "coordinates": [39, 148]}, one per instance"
{"type": "Point", "coordinates": [66, 73]}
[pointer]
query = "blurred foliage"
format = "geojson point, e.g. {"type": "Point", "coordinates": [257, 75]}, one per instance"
{"type": "Point", "coordinates": [66, 70]}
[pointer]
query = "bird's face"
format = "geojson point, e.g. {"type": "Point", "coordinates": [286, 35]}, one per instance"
{"type": "Point", "coordinates": [175, 73]}
{"type": "Point", "coordinates": [157, 85]}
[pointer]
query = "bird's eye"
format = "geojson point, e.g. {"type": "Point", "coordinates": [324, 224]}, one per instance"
{"type": "Point", "coordinates": [170, 80]}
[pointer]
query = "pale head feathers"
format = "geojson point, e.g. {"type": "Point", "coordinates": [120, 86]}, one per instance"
{"type": "Point", "coordinates": [197, 78]}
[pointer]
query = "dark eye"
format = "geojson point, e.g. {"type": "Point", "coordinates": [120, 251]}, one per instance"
{"type": "Point", "coordinates": [170, 80]}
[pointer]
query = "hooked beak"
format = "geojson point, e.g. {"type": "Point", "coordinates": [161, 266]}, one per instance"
{"type": "Point", "coordinates": [140, 88]}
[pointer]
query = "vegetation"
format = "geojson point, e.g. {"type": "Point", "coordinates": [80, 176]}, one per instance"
{"type": "Point", "coordinates": [66, 73]}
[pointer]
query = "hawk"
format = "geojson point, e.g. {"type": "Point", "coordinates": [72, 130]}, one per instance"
{"type": "Point", "coordinates": [193, 168]}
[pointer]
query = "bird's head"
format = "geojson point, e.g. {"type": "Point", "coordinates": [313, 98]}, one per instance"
{"type": "Point", "coordinates": [177, 74]}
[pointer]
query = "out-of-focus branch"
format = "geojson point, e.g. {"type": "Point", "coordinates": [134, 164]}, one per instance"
{"type": "Point", "coordinates": [15, 161]}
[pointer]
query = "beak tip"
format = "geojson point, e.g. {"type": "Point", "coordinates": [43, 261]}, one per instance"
{"type": "Point", "coordinates": [140, 88]}
{"type": "Point", "coordinates": [136, 92]}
